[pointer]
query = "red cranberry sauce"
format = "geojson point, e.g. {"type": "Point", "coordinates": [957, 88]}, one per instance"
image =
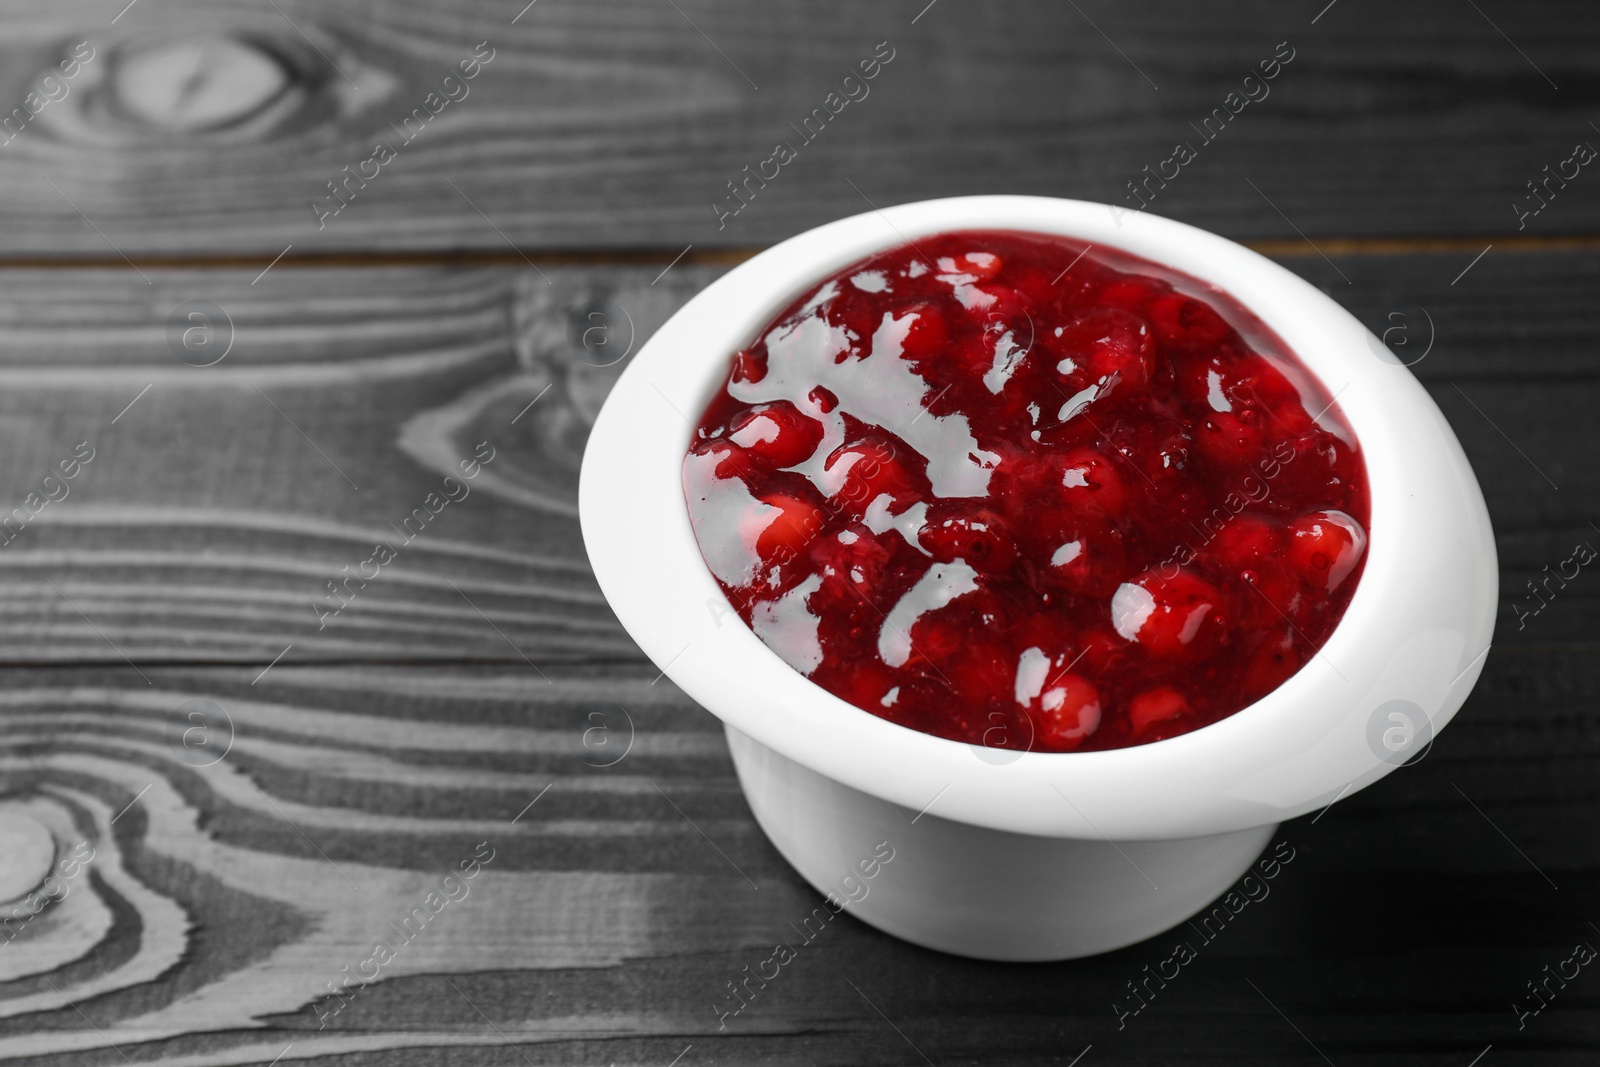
{"type": "Point", "coordinates": [1008, 490]}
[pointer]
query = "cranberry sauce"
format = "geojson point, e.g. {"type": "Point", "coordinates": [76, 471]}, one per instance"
{"type": "Point", "coordinates": [1004, 489]}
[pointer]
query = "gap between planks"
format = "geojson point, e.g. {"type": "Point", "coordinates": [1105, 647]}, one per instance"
{"type": "Point", "coordinates": [1540, 648]}
{"type": "Point", "coordinates": [1288, 248]}
{"type": "Point", "coordinates": [247, 663]}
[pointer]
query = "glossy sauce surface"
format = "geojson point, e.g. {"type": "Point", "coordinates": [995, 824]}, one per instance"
{"type": "Point", "coordinates": [1011, 491]}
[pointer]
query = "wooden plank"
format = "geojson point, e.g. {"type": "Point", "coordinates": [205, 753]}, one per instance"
{"type": "Point", "coordinates": [200, 129]}
{"type": "Point", "coordinates": [217, 909]}
{"type": "Point", "coordinates": [235, 885]}
{"type": "Point", "coordinates": [220, 502]}
{"type": "Point", "coordinates": [1507, 351]}
{"type": "Point", "coordinates": [217, 508]}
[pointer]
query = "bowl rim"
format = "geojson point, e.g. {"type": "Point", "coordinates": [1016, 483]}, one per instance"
{"type": "Point", "coordinates": [1416, 630]}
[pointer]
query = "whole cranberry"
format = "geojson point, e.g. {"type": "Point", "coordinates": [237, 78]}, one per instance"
{"type": "Point", "coordinates": [1023, 480]}
{"type": "Point", "coordinates": [780, 537]}
{"type": "Point", "coordinates": [1069, 711]}
{"type": "Point", "coordinates": [940, 634]}
{"type": "Point", "coordinates": [1090, 482]}
{"type": "Point", "coordinates": [1249, 550]}
{"type": "Point", "coordinates": [1273, 662]}
{"type": "Point", "coordinates": [860, 471]}
{"type": "Point", "coordinates": [977, 536]}
{"type": "Point", "coordinates": [1156, 707]}
{"type": "Point", "coordinates": [1245, 541]}
{"type": "Point", "coordinates": [934, 638]}
{"type": "Point", "coordinates": [1037, 285]}
{"type": "Point", "coordinates": [991, 301]}
{"type": "Point", "coordinates": [776, 434]}
{"type": "Point", "coordinates": [1325, 547]}
{"type": "Point", "coordinates": [1262, 387]}
{"type": "Point", "coordinates": [1091, 560]}
{"type": "Point", "coordinates": [1103, 651]}
{"type": "Point", "coordinates": [1187, 324]}
{"type": "Point", "coordinates": [1180, 617]}
{"type": "Point", "coordinates": [854, 564]}
{"type": "Point", "coordinates": [1230, 440]}
{"type": "Point", "coordinates": [749, 365]}
{"type": "Point", "coordinates": [1101, 344]}
{"type": "Point", "coordinates": [926, 333]}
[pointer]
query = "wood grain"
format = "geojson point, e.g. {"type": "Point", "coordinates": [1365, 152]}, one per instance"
{"type": "Point", "coordinates": [220, 505]}
{"type": "Point", "coordinates": [225, 897]}
{"type": "Point", "coordinates": [618, 124]}
{"type": "Point", "coordinates": [258, 852]}
{"type": "Point", "coordinates": [269, 793]}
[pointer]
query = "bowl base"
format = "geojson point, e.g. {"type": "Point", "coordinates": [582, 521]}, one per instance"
{"type": "Point", "coordinates": [971, 891]}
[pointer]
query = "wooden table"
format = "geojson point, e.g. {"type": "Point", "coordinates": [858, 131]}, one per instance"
{"type": "Point", "coordinates": [251, 391]}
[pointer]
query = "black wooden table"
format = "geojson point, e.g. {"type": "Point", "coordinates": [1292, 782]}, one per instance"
{"type": "Point", "coordinates": [259, 342]}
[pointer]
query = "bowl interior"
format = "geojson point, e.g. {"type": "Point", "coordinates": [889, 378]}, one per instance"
{"type": "Point", "coordinates": [1422, 611]}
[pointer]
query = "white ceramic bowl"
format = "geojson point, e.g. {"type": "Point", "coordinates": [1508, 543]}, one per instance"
{"type": "Point", "coordinates": [1031, 856]}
